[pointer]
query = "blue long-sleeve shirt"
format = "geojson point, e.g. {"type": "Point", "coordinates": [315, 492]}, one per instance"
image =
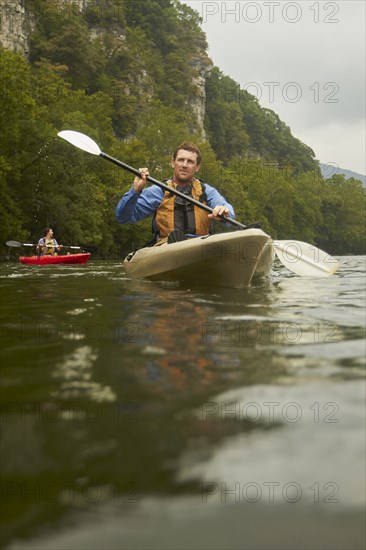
{"type": "Point", "coordinates": [134, 207]}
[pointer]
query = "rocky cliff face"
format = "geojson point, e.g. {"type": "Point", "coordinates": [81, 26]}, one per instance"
{"type": "Point", "coordinates": [203, 66]}
{"type": "Point", "coordinates": [17, 22]}
{"type": "Point", "coordinates": [13, 26]}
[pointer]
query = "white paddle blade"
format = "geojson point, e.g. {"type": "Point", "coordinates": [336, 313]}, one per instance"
{"type": "Point", "coordinates": [17, 244]}
{"type": "Point", "coordinates": [81, 141]}
{"type": "Point", "coordinates": [305, 259]}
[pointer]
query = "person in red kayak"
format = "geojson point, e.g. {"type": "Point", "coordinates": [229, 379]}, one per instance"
{"type": "Point", "coordinates": [47, 245]}
{"type": "Point", "coordinates": [174, 218]}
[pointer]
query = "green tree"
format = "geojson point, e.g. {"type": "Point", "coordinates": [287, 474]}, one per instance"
{"type": "Point", "coordinates": [63, 38]}
{"type": "Point", "coordinates": [342, 230]}
{"type": "Point", "coordinates": [19, 140]}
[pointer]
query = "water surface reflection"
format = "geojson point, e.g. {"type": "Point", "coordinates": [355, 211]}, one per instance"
{"type": "Point", "coordinates": [129, 402]}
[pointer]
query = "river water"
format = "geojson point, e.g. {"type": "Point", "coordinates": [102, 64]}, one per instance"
{"type": "Point", "coordinates": [142, 415]}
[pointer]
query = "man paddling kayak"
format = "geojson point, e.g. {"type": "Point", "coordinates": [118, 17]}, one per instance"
{"type": "Point", "coordinates": [174, 218]}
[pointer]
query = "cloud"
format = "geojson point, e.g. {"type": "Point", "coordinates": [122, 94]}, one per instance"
{"type": "Point", "coordinates": [334, 145]}
{"type": "Point", "coordinates": [306, 61]}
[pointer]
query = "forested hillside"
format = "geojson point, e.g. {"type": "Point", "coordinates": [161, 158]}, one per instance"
{"type": "Point", "coordinates": [135, 76]}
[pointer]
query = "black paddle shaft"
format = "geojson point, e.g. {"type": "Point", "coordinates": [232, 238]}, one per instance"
{"type": "Point", "coordinates": [18, 244]}
{"type": "Point", "coordinates": [174, 191]}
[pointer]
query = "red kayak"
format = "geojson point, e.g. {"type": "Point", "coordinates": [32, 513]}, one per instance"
{"type": "Point", "coordinates": [47, 260]}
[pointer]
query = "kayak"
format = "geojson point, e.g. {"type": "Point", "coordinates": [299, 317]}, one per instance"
{"type": "Point", "coordinates": [232, 259]}
{"type": "Point", "coordinates": [81, 258]}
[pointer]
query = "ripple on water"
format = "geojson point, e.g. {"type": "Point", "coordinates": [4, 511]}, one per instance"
{"type": "Point", "coordinates": [312, 431]}
{"type": "Point", "coordinates": [74, 373]}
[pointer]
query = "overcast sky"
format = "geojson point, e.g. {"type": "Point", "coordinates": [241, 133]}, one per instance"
{"type": "Point", "coordinates": [305, 60]}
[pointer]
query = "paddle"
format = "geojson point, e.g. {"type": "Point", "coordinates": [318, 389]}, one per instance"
{"type": "Point", "coordinates": [17, 243]}
{"type": "Point", "coordinates": [301, 258]}
{"type": "Point", "coordinates": [87, 144]}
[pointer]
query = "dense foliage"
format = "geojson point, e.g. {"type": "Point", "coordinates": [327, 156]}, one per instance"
{"type": "Point", "coordinates": [124, 72]}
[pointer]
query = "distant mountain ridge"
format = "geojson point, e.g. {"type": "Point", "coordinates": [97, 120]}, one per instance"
{"type": "Point", "coordinates": [330, 169]}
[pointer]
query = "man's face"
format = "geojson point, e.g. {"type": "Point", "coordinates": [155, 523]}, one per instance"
{"type": "Point", "coordinates": [185, 166]}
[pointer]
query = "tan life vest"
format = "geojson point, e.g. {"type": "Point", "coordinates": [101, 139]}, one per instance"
{"type": "Point", "coordinates": [48, 248]}
{"type": "Point", "coordinates": [175, 213]}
